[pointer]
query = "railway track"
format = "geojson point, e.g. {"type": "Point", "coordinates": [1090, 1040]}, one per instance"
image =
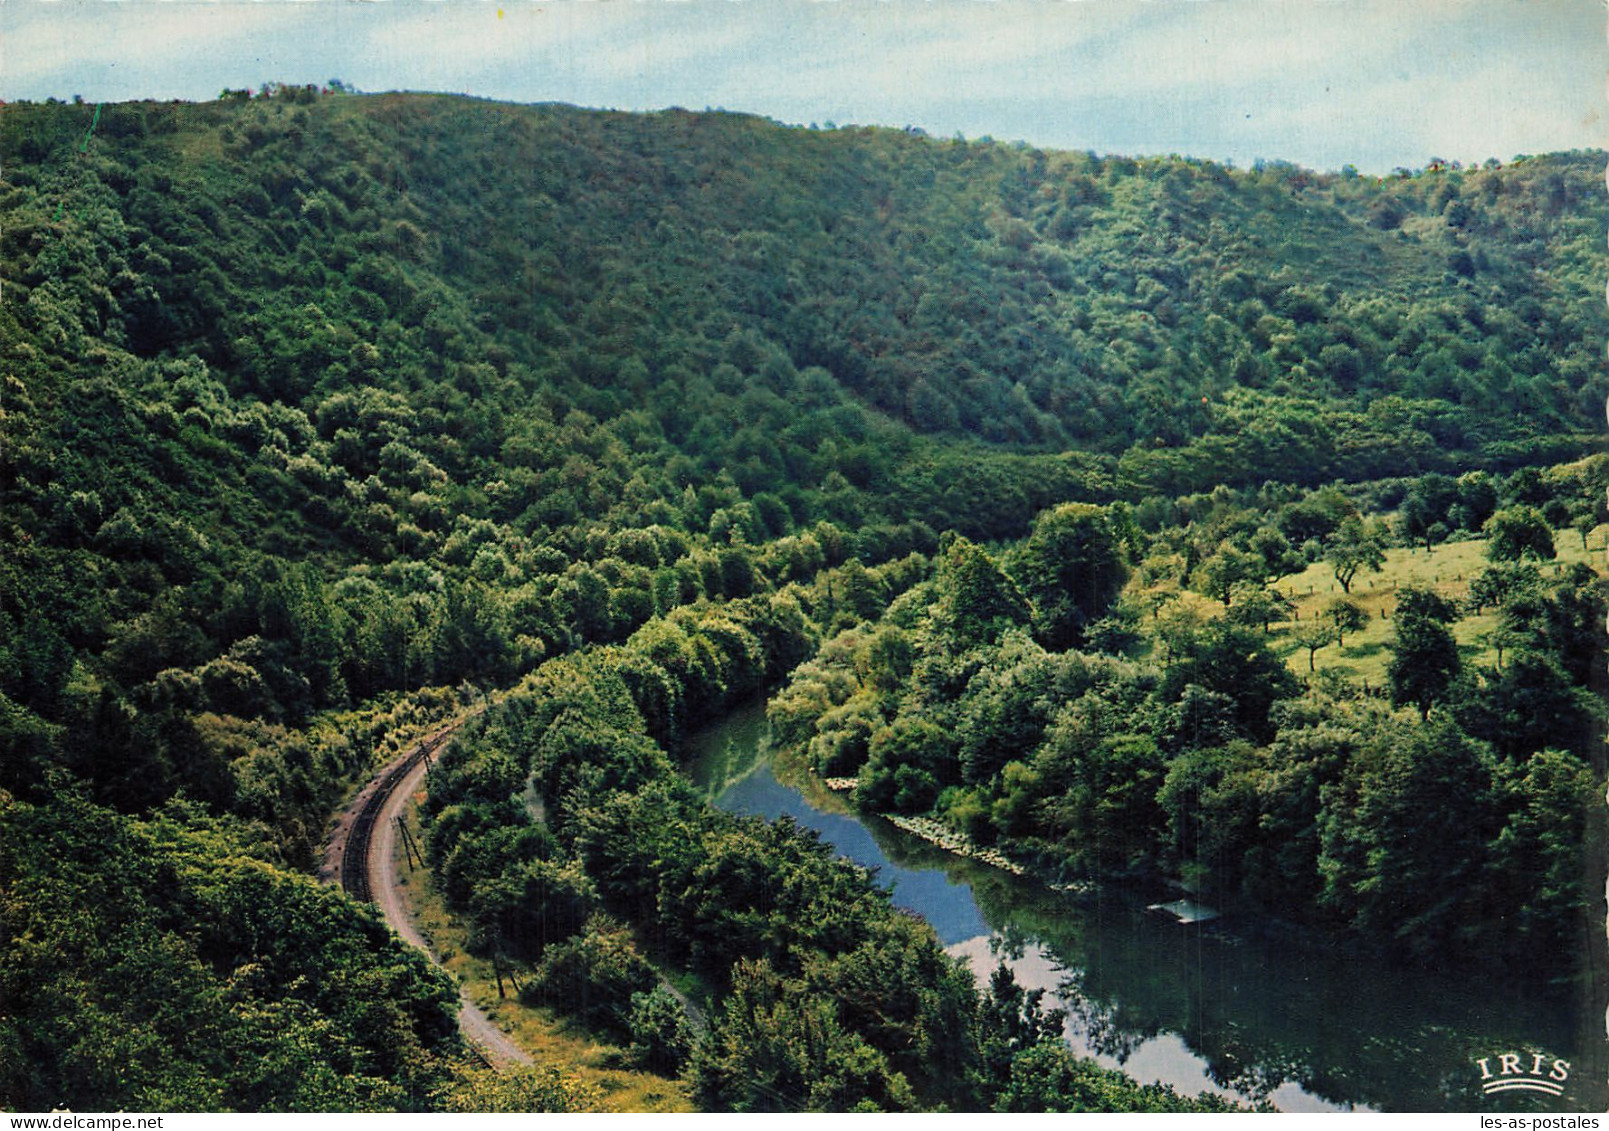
{"type": "Point", "coordinates": [355, 871]}
{"type": "Point", "coordinates": [360, 862]}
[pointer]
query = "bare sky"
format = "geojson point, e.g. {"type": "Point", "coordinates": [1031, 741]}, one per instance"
{"type": "Point", "coordinates": [1373, 83]}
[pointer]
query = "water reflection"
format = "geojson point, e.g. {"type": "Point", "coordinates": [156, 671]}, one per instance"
{"type": "Point", "coordinates": [1224, 1005]}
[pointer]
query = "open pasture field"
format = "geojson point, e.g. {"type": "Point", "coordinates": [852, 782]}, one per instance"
{"type": "Point", "coordinates": [1447, 569]}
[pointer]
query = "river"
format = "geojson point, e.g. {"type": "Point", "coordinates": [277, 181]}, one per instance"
{"type": "Point", "coordinates": [1237, 1007]}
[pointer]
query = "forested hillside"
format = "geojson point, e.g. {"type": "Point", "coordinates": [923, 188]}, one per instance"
{"type": "Point", "coordinates": [319, 411]}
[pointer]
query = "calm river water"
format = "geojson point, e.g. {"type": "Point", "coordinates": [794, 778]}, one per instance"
{"type": "Point", "coordinates": [1227, 1006]}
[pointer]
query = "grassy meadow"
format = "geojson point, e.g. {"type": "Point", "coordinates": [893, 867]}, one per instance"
{"type": "Point", "coordinates": [1446, 568]}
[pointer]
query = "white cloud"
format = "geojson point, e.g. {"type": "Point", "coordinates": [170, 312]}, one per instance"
{"type": "Point", "coordinates": [1375, 82]}
{"type": "Point", "coordinates": [59, 41]}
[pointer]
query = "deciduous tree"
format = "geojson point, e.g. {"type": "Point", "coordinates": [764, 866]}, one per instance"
{"type": "Point", "coordinates": [1353, 547]}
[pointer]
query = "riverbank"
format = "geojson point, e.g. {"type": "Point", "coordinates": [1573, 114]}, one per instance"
{"type": "Point", "coordinates": [940, 835]}
{"type": "Point", "coordinates": [1245, 1005]}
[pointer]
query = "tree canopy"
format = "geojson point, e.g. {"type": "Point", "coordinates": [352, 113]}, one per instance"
{"type": "Point", "coordinates": [324, 414]}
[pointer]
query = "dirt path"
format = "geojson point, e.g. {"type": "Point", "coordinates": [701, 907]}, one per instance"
{"type": "Point", "coordinates": [373, 817]}
{"type": "Point", "coordinates": [391, 898]}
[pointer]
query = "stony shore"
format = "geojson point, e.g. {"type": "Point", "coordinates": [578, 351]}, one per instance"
{"type": "Point", "coordinates": [942, 836]}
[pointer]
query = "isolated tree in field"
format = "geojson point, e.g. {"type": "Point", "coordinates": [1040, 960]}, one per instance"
{"type": "Point", "coordinates": [1255, 604]}
{"type": "Point", "coordinates": [1279, 557]}
{"type": "Point", "coordinates": [1313, 635]}
{"type": "Point", "coordinates": [1218, 575]}
{"type": "Point", "coordinates": [1347, 616]}
{"type": "Point", "coordinates": [1518, 532]}
{"type": "Point", "coordinates": [1425, 657]}
{"type": "Point", "coordinates": [1352, 548]}
{"type": "Point", "coordinates": [1502, 638]}
{"type": "Point", "coordinates": [1584, 525]}
{"type": "Point", "coordinates": [1314, 517]}
{"type": "Point", "coordinates": [1412, 521]}
{"type": "Point", "coordinates": [1523, 604]}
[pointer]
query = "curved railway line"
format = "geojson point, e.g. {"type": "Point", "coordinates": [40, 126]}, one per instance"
{"type": "Point", "coordinates": [359, 858]}
{"type": "Point", "coordinates": [354, 870]}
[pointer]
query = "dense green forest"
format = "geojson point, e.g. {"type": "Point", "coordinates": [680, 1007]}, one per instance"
{"type": "Point", "coordinates": [320, 412]}
{"type": "Point", "coordinates": [1444, 815]}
